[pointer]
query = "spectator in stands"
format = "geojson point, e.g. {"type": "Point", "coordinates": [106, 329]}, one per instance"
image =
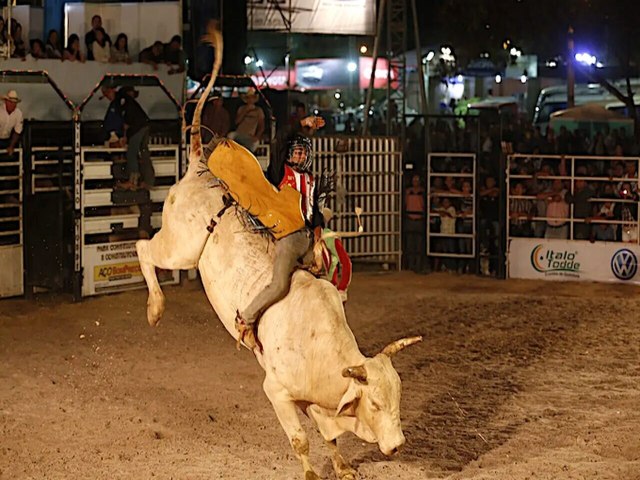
{"type": "Point", "coordinates": [153, 55]}
{"type": "Point", "coordinates": [249, 121]}
{"type": "Point", "coordinates": [557, 211]}
{"type": "Point", "coordinates": [11, 121]}
{"type": "Point", "coordinates": [174, 56]}
{"type": "Point", "coordinates": [447, 214]}
{"type": "Point", "coordinates": [20, 50]}
{"type": "Point", "coordinates": [72, 52]}
{"type": "Point", "coordinates": [414, 225]}
{"type": "Point", "coordinates": [101, 47]}
{"type": "Point", "coordinates": [53, 48]}
{"type": "Point", "coordinates": [120, 50]}
{"type": "Point", "coordinates": [582, 208]}
{"type": "Point", "coordinates": [139, 166]}
{"type": "Point", "coordinates": [450, 185]}
{"type": "Point", "coordinates": [520, 212]}
{"type": "Point", "coordinates": [90, 37]}
{"type": "Point", "coordinates": [37, 49]}
{"type": "Point", "coordinates": [216, 117]}
{"type": "Point", "coordinates": [629, 213]}
{"type": "Point", "coordinates": [604, 231]}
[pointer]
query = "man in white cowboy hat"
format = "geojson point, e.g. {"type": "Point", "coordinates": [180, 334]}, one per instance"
{"type": "Point", "coordinates": [11, 121]}
{"type": "Point", "coordinates": [249, 121]}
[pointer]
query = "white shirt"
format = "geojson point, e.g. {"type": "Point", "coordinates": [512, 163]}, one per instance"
{"type": "Point", "coordinates": [100, 53]}
{"type": "Point", "coordinates": [9, 122]}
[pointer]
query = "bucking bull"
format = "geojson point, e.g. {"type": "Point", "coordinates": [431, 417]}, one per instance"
{"type": "Point", "coordinates": [309, 354]}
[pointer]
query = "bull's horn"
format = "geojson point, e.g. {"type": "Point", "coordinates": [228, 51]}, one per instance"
{"type": "Point", "coordinates": [394, 347]}
{"type": "Point", "coordinates": [359, 373]}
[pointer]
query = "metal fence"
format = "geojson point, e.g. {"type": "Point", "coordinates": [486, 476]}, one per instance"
{"type": "Point", "coordinates": [451, 203]}
{"type": "Point", "coordinates": [369, 174]}
{"type": "Point", "coordinates": [11, 223]}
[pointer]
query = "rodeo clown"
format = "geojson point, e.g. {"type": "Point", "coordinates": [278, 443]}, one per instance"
{"type": "Point", "coordinates": [294, 171]}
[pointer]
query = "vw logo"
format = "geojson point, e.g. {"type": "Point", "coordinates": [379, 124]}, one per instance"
{"type": "Point", "coordinates": [624, 264]}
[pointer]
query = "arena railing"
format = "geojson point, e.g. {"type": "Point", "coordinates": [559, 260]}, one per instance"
{"type": "Point", "coordinates": [585, 222]}
{"type": "Point", "coordinates": [11, 223]}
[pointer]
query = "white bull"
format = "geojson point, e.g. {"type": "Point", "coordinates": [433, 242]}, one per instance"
{"type": "Point", "coordinates": [310, 356]}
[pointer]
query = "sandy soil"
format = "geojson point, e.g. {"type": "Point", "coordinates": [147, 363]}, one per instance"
{"type": "Point", "coordinates": [515, 380]}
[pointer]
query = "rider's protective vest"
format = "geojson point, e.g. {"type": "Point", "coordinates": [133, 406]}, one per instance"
{"type": "Point", "coordinates": [303, 183]}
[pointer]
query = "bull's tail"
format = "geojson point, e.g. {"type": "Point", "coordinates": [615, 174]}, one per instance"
{"type": "Point", "coordinates": [214, 37]}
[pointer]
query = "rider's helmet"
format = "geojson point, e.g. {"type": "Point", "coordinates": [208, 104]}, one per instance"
{"type": "Point", "coordinates": [300, 153]}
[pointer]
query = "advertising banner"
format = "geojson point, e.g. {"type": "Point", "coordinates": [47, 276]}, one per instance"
{"type": "Point", "coordinates": [337, 17]}
{"type": "Point", "coordinates": [329, 73]}
{"type": "Point", "coordinates": [110, 265]}
{"type": "Point", "coordinates": [276, 79]}
{"type": "Point", "coordinates": [542, 259]}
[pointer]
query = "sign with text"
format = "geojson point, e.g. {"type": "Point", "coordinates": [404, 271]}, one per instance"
{"type": "Point", "coordinates": [115, 266]}
{"type": "Point", "coordinates": [337, 17]}
{"type": "Point", "coordinates": [110, 265]}
{"type": "Point", "coordinates": [539, 258]}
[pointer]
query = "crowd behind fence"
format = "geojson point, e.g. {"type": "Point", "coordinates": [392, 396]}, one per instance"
{"type": "Point", "coordinates": [574, 185]}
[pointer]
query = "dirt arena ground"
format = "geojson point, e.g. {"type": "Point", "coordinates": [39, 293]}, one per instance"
{"type": "Point", "coordinates": [515, 380]}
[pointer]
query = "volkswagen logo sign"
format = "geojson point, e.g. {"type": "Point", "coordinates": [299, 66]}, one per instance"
{"type": "Point", "coordinates": [624, 264]}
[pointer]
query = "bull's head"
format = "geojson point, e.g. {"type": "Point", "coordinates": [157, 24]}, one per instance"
{"type": "Point", "coordinates": [373, 397]}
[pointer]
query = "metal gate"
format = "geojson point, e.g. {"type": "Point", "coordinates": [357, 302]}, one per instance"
{"type": "Point", "coordinates": [48, 206]}
{"type": "Point", "coordinates": [368, 175]}
{"type": "Point", "coordinates": [451, 206]}
{"type": "Point", "coordinates": [11, 228]}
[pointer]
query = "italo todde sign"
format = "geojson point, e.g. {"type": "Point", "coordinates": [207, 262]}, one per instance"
{"type": "Point", "coordinates": [538, 258]}
{"type": "Point", "coordinates": [555, 262]}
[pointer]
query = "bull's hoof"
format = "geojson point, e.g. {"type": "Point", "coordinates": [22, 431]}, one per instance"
{"type": "Point", "coordinates": [311, 475]}
{"type": "Point", "coordinates": [154, 312]}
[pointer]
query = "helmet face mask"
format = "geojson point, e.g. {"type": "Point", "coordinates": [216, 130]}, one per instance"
{"type": "Point", "coordinates": [300, 156]}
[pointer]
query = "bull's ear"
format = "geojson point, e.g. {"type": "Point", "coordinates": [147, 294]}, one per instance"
{"type": "Point", "coordinates": [349, 400]}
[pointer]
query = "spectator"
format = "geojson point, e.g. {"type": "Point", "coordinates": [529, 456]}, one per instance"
{"type": "Point", "coordinates": [120, 50]}
{"type": "Point", "coordinates": [152, 55]}
{"type": "Point", "coordinates": [628, 214]}
{"type": "Point", "coordinates": [448, 227]}
{"type": "Point", "coordinates": [414, 224]}
{"type": "Point", "coordinates": [90, 37]}
{"type": "Point", "coordinates": [581, 208]}
{"type": "Point", "coordinates": [19, 47]}
{"type": "Point", "coordinates": [113, 124]}
{"type": "Point", "coordinates": [249, 121]}
{"type": "Point", "coordinates": [37, 49]}
{"type": "Point", "coordinates": [465, 224]}
{"type": "Point", "coordinates": [72, 52]}
{"type": "Point", "coordinates": [11, 121]}
{"type": "Point", "coordinates": [174, 56]}
{"type": "Point", "coordinates": [557, 211]}
{"type": "Point", "coordinates": [604, 231]}
{"type": "Point", "coordinates": [520, 212]}
{"type": "Point", "coordinates": [137, 134]}
{"type": "Point", "coordinates": [216, 117]}
{"type": "Point", "coordinates": [299, 113]}
{"type": "Point", "coordinates": [53, 48]}
{"type": "Point", "coordinates": [101, 47]}
{"type": "Point", "coordinates": [450, 185]}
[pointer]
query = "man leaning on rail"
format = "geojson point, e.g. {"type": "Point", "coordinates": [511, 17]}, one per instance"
{"type": "Point", "coordinates": [11, 121]}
